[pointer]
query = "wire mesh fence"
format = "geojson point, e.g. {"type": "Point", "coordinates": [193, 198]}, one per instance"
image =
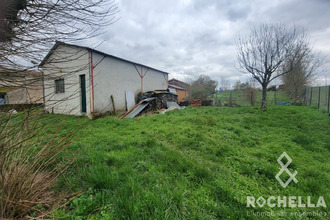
{"type": "Point", "coordinates": [318, 97]}
{"type": "Point", "coordinates": [250, 97]}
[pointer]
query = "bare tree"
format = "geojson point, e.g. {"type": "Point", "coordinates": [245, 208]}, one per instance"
{"type": "Point", "coordinates": [28, 29]}
{"type": "Point", "coordinates": [305, 70]}
{"type": "Point", "coordinates": [265, 50]}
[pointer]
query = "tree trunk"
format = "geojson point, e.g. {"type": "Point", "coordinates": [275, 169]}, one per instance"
{"type": "Point", "coordinates": [264, 97]}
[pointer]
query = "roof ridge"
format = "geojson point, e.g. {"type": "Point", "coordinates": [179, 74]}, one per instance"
{"type": "Point", "coordinates": [96, 51]}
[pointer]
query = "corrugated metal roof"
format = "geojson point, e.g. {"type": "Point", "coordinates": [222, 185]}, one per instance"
{"type": "Point", "coordinates": [173, 81]}
{"type": "Point", "coordinates": [176, 87]}
{"type": "Point", "coordinates": [138, 108]}
{"type": "Point", "coordinates": [172, 104]}
{"type": "Point", "coordinates": [58, 43]}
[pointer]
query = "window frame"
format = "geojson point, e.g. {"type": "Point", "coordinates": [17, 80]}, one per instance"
{"type": "Point", "coordinates": [59, 86]}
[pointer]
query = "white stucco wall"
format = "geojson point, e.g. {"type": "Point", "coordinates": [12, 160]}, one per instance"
{"type": "Point", "coordinates": [66, 63]}
{"type": "Point", "coordinates": [114, 76]}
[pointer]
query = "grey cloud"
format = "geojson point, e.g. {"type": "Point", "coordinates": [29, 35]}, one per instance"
{"type": "Point", "coordinates": [239, 11]}
{"type": "Point", "coordinates": [191, 37]}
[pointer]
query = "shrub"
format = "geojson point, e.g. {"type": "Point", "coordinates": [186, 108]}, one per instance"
{"type": "Point", "coordinates": [30, 166]}
{"type": "Point", "coordinates": [202, 88]}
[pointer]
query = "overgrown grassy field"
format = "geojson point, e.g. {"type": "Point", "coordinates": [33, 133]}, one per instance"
{"type": "Point", "coordinates": [199, 163]}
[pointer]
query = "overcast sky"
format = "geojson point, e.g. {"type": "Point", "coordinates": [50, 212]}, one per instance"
{"type": "Point", "coordinates": [191, 37]}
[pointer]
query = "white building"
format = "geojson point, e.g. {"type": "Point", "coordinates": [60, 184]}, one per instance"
{"type": "Point", "coordinates": [79, 80]}
{"type": "Point", "coordinates": [20, 87]}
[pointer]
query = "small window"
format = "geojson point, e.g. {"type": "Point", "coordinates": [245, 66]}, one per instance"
{"type": "Point", "coordinates": [59, 86]}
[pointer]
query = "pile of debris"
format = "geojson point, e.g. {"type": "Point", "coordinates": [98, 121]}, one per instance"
{"type": "Point", "coordinates": [152, 102]}
{"type": "Point", "coordinates": [196, 103]}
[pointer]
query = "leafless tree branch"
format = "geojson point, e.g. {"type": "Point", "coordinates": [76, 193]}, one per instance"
{"type": "Point", "coordinates": [264, 51]}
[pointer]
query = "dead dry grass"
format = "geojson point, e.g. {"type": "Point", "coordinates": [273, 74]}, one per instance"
{"type": "Point", "coordinates": [30, 167]}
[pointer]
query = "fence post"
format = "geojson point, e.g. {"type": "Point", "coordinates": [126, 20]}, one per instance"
{"type": "Point", "coordinates": [251, 97]}
{"type": "Point", "coordinates": [310, 98]}
{"type": "Point", "coordinates": [329, 100]}
{"type": "Point", "coordinates": [319, 99]}
{"type": "Point", "coordinates": [216, 98]}
{"type": "Point", "coordinates": [230, 99]}
{"type": "Point", "coordinates": [305, 96]}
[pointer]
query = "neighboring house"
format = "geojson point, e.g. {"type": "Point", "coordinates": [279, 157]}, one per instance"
{"type": "Point", "coordinates": [20, 87]}
{"type": "Point", "coordinates": [182, 88]}
{"type": "Point", "coordinates": [80, 80]}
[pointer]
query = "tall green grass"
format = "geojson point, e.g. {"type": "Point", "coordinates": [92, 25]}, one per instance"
{"type": "Point", "coordinates": [198, 163]}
